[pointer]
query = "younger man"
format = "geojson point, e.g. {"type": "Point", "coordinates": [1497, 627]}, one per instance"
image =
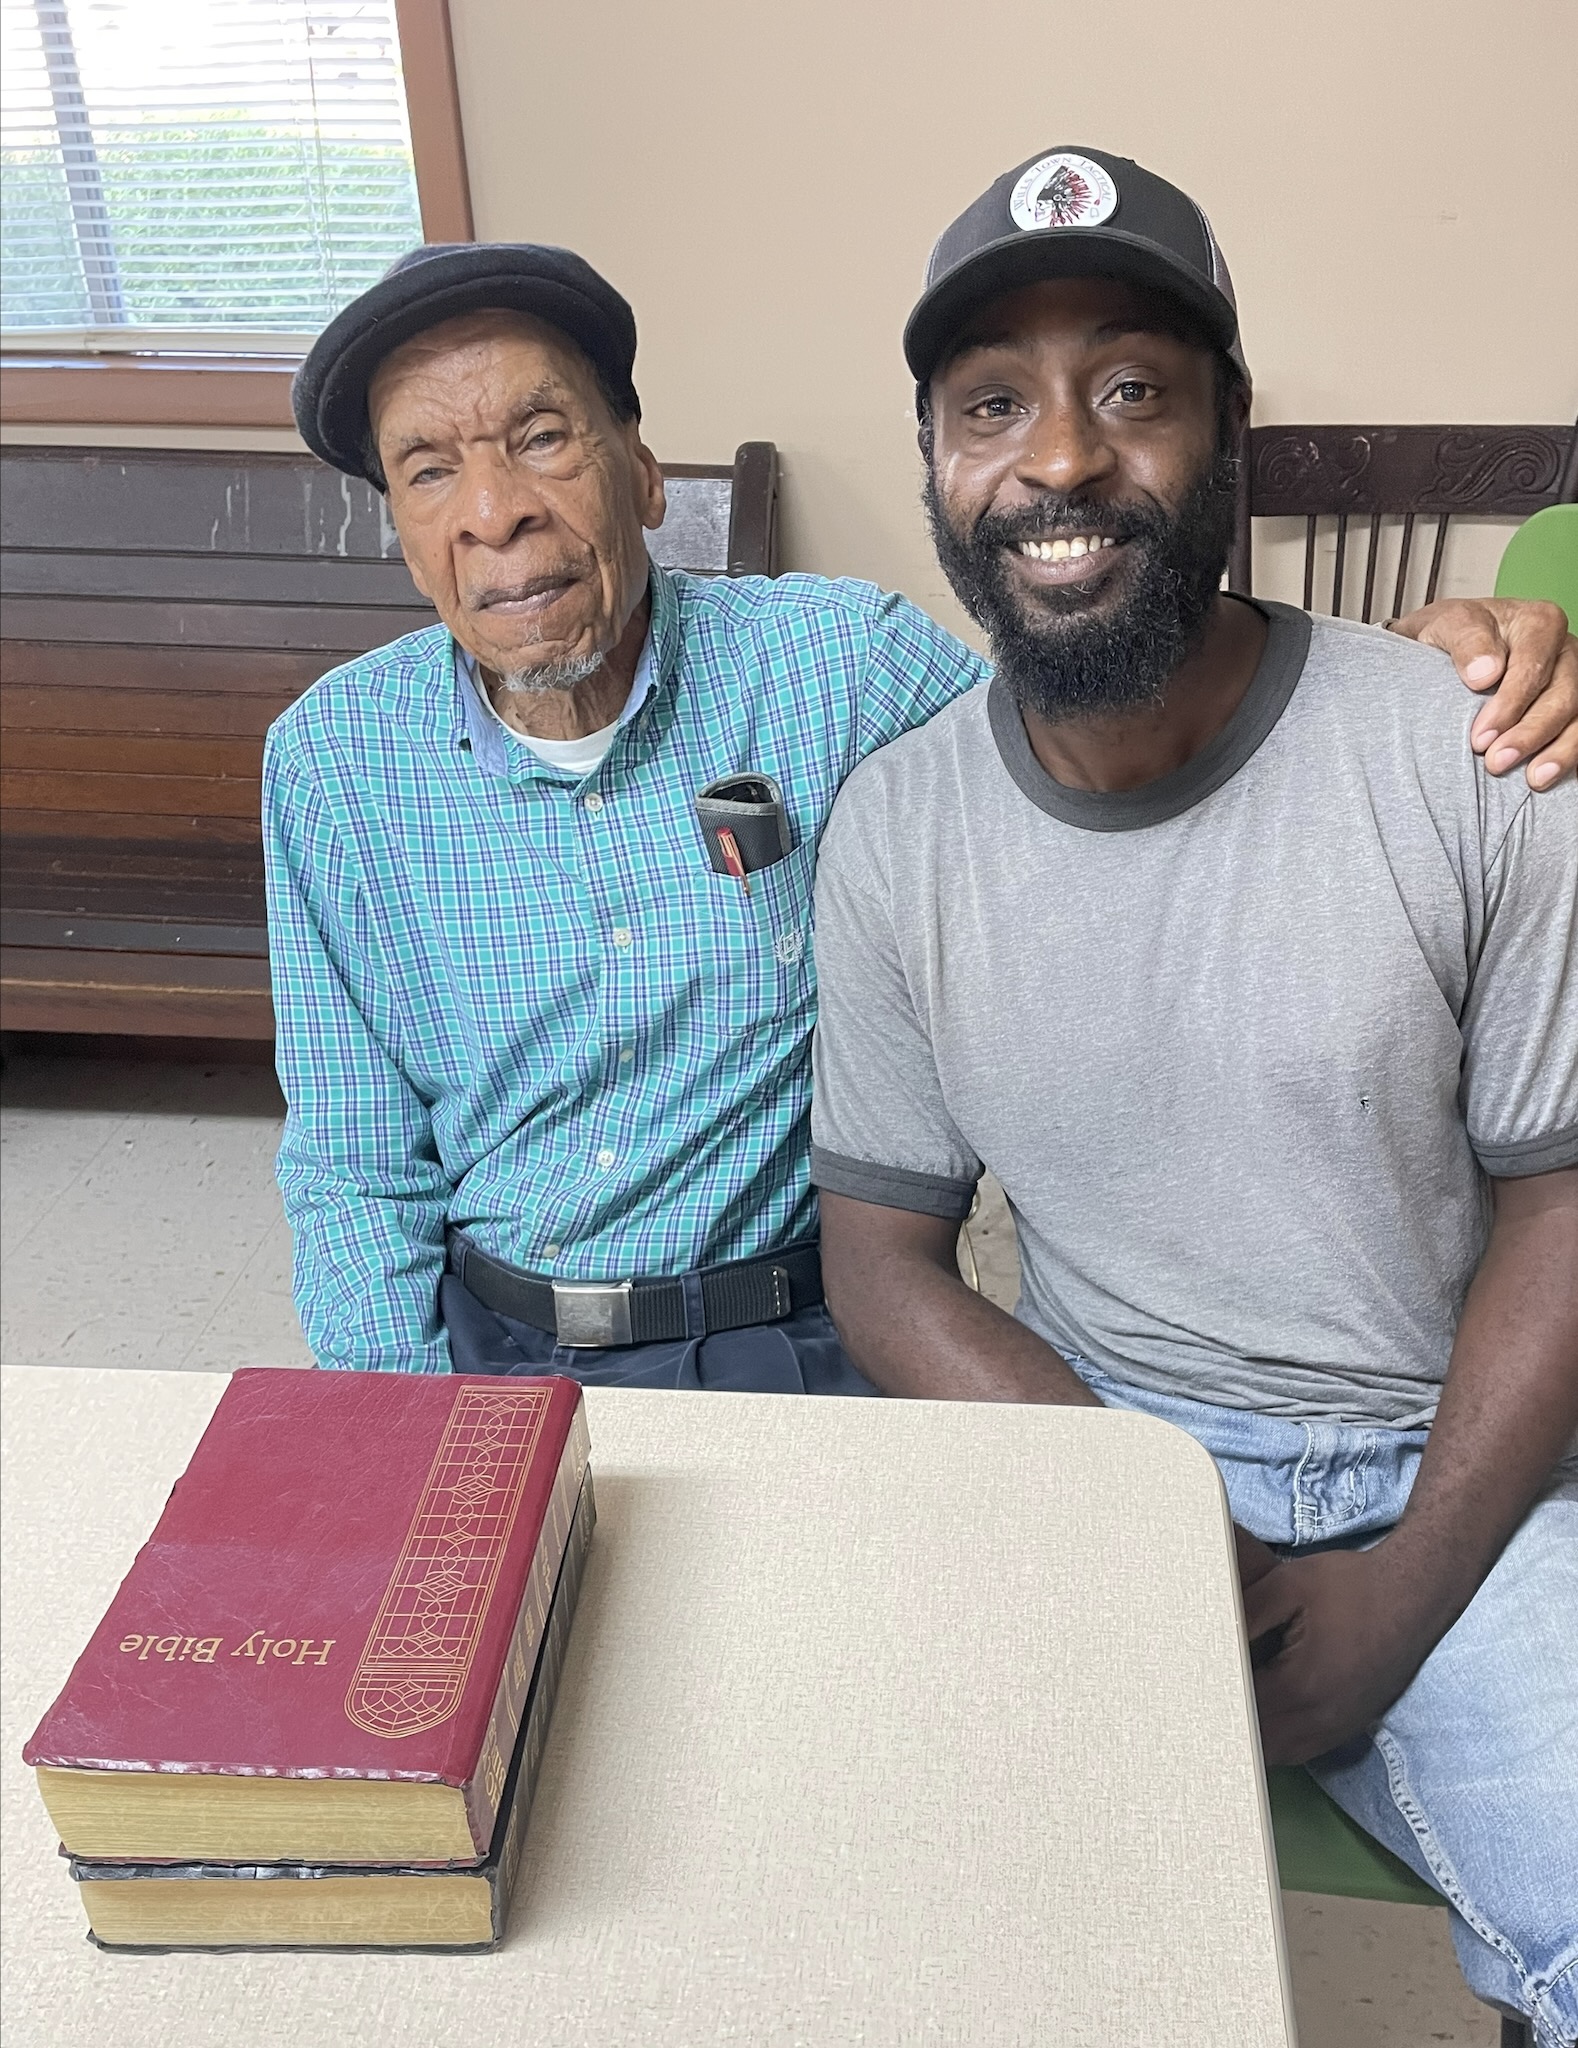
{"type": "Point", "coordinates": [1203, 928]}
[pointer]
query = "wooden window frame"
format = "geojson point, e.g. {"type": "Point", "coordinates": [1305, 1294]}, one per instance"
{"type": "Point", "coordinates": [170, 390]}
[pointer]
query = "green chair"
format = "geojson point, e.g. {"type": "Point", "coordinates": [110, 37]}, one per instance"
{"type": "Point", "coordinates": [1319, 1849]}
{"type": "Point", "coordinates": [1541, 560]}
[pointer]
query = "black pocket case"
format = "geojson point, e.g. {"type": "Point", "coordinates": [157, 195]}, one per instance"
{"type": "Point", "coordinates": [752, 808]}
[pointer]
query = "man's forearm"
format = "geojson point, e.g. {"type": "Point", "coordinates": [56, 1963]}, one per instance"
{"type": "Point", "coordinates": [914, 1328]}
{"type": "Point", "coordinates": [1357, 1624]}
{"type": "Point", "coordinates": [367, 1275]}
{"type": "Point", "coordinates": [1510, 1404]}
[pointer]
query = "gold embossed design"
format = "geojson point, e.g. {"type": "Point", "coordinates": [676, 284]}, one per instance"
{"type": "Point", "coordinates": [413, 1668]}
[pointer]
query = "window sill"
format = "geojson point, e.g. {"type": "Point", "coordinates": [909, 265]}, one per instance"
{"type": "Point", "coordinates": [145, 391]}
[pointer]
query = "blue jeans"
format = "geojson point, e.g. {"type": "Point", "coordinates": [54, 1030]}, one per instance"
{"type": "Point", "coordinates": [1472, 1777]}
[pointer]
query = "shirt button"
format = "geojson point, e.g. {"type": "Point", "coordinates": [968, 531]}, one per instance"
{"type": "Point", "coordinates": [626, 1054]}
{"type": "Point", "coordinates": [621, 937]}
{"type": "Point", "coordinates": [605, 1157]}
{"type": "Point", "coordinates": [594, 802]}
{"type": "Point", "coordinates": [551, 1251]}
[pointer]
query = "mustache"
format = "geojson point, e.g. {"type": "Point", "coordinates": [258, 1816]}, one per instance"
{"type": "Point", "coordinates": [1052, 514]}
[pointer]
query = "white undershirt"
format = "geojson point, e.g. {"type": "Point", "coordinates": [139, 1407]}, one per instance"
{"type": "Point", "coordinates": [573, 757]}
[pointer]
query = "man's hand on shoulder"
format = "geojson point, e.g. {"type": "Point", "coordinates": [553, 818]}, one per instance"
{"type": "Point", "coordinates": [1336, 1638]}
{"type": "Point", "coordinates": [1521, 650]}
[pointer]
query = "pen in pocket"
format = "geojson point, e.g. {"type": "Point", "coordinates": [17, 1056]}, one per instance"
{"type": "Point", "coordinates": [729, 847]}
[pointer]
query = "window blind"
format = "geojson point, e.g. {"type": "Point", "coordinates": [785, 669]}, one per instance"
{"type": "Point", "coordinates": [215, 166]}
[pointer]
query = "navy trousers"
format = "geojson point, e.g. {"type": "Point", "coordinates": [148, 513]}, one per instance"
{"type": "Point", "coordinates": [799, 1355]}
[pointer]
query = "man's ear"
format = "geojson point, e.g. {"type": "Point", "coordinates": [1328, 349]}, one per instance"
{"type": "Point", "coordinates": [651, 493]}
{"type": "Point", "coordinates": [1238, 400]}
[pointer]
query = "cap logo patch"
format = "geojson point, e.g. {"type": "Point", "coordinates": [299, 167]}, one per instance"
{"type": "Point", "coordinates": [1063, 192]}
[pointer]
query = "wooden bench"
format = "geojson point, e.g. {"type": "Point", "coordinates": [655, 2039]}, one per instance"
{"type": "Point", "coordinates": [160, 609]}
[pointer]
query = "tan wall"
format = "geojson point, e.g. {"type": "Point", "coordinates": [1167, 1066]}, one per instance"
{"type": "Point", "coordinates": [1389, 181]}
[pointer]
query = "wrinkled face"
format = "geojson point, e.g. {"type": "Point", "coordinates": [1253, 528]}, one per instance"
{"type": "Point", "coordinates": [520, 500]}
{"type": "Point", "coordinates": [1081, 490]}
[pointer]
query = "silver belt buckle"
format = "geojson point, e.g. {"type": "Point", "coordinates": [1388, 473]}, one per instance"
{"type": "Point", "coordinates": [591, 1315]}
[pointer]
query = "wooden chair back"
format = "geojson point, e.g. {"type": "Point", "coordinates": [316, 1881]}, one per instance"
{"type": "Point", "coordinates": [1370, 476]}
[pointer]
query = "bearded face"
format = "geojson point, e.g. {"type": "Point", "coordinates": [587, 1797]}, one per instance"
{"type": "Point", "coordinates": [1081, 487]}
{"type": "Point", "coordinates": [1108, 642]}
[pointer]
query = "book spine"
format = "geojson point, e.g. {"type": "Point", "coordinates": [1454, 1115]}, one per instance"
{"type": "Point", "coordinates": [485, 1787]}
{"type": "Point", "coordinates": [545, 1690]}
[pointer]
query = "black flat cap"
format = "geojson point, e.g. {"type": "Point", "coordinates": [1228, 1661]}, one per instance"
{"type": "Point", "coordinates": [434, 284]}
{"type": "Point", "coordinates": [1072, 212]}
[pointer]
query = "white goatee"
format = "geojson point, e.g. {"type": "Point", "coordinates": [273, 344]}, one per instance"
{"type": "Point", "coordinates": [552, 675]}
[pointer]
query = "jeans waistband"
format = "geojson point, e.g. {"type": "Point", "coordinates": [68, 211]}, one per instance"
{"type": "Point", "coordinates": [1288, 1481]}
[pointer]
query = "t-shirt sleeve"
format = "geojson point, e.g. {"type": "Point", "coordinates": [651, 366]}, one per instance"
{"type": "Point", "coordinates": [913, 669]}
{"type": "Point", "coordinates": [880, 1129]}
{"type": "Point", "coordinates": [1520, 1022]}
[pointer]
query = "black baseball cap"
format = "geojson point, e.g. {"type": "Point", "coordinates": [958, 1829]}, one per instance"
{"type": "Point", "coordinates": [1073, 212]}
{"type": "Point", "coordinates": [433, 284]}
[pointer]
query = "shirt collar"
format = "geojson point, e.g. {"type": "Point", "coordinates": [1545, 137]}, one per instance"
{"type": "Point", "coordinates": [479, 726]}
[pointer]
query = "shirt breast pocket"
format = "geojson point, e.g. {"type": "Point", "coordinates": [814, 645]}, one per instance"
{"type": "Point", "coordinates": [780, 912]}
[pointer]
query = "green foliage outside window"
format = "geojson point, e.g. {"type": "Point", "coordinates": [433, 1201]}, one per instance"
{"type": "Point", "coordinates": [224, 222]}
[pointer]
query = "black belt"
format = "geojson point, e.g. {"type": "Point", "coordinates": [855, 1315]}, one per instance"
{"type": "Point", "coordinates": [593, 1314]}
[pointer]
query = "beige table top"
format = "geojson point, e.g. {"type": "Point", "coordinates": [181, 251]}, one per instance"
{"type": "Point", "coordinates": [884, 1723]}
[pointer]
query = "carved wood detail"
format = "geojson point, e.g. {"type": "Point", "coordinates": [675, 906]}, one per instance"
{"type": "Point", "coordinates": [1505, 472]}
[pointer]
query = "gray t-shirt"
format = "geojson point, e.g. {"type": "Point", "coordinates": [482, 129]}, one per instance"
{"type": "Point", "coordinates": [1241, 1045]}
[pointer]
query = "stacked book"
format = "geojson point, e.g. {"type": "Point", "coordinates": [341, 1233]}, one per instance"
{"type": "Point", "coordinates": [313, 1715]}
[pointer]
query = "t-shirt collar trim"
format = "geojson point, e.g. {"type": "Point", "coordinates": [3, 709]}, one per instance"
{"type": "Point", "coordinates": [1130, 810]}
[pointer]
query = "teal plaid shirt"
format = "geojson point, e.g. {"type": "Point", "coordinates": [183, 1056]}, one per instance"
{"type": "Point", "coordinates": [523, 1003]}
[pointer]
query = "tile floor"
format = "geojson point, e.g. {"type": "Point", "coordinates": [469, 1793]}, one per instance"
{"type": "Point", "coordinates": [139, 1226]}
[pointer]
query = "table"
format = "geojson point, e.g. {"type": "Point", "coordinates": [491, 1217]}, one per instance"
{"type": "Point", "coordinates": [883, 1723]}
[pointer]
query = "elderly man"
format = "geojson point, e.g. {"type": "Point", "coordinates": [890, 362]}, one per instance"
{"type": "Point", "coordinates": [546, 1043]}
{"type": "Point", "coordinates": [1204, 929]}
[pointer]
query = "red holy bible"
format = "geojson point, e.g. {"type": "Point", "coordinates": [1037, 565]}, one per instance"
{"type": "Point", "coordinates": [322, 1652]}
